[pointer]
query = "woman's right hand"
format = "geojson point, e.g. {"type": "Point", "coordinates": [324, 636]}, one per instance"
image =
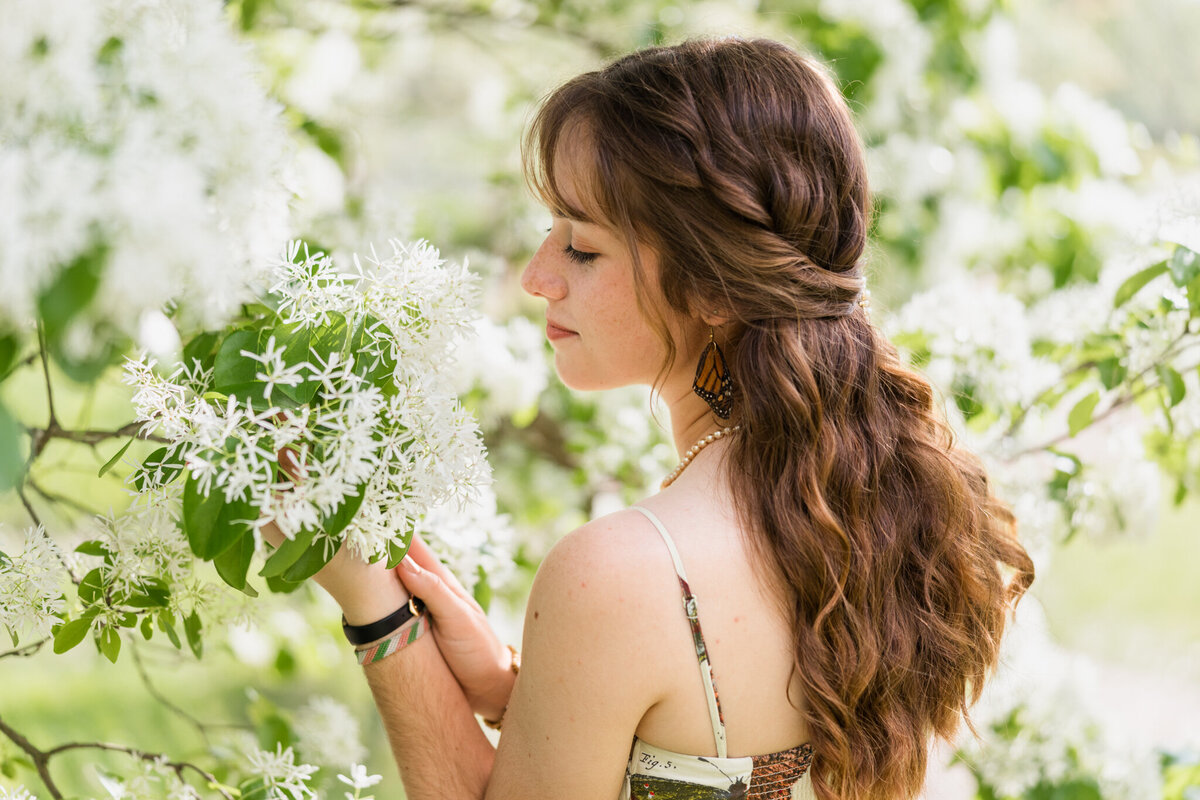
{"type": "Point", "coordinates": [481, 663]}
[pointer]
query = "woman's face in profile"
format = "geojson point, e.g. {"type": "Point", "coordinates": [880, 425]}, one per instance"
{"type": "Point", "coordinates": [585, 272]}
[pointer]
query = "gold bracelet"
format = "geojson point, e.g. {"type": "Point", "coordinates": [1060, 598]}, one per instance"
{"type": "Point", "coordinates": [494, 724]}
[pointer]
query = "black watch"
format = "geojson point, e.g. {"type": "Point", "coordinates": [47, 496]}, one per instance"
{"type": "Point", "coordinates": [364, 634]}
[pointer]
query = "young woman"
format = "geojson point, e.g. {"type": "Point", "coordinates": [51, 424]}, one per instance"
{"type": "Point", "coordinates": [823, 554]}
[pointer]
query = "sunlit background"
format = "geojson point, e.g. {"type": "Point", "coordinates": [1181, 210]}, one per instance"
{"type": "Point", "coordinates": [1028, 156]}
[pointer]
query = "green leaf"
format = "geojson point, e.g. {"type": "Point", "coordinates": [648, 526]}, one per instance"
{"type": "Point", "coordinates": [91, 588]}
{"type": "Point", "coordinates": [71, 291]}
{"type": "Point", "coordinates": [336, 522]}
{"type": "Point", "coordinates": [281, 585]}
{"type": "Point", "coordinates": [93, 547]}
{"type": "Point", "coordinates": [157, 463]}
{"type": "Point", "coordinates": [1136, 281]}
{"type": "Point", "coordinates": [233, 564]}
{"type": "Point", "coordinates": [311, 561]}
{"type": "Point", "coordinates": [191, 627]}
{"type": "Point", "coordinates": [166, 624]}
{"type": "Point", "coordinates": [1080, 415]}
{"type": "Point", "coordinates": [288, 552]}
{"type": "Point", "coordinates": [71, 633]}
{"type": "Point", "coordinates": [285, 663]}
{"type": "Point", "coordinates": [12, 460]}
{"type": "Point", "coordinates": [212, 525]}
{"type": "Point", "coordinates": [1193, 296]}
{"type": "Point", "coordinates": [1185, 266]}
{"type": "Point", "coordinates": [379, 370]}
{"type": "Point", "coordinates": [153, 593]}
{"type": "Point", "coordinates": [109, 643]}
{"type": "Point", "coordinates": [483, 590]}
{"type": "Point", "coordinates": [1112, 372]}
{"type": "Point", "coordinates": [202, 348]}
{"type": "Point", "coordinates": [9, 347]}
{"type": "Point", "coordinates": [147, 627]}
{"type": "Point", "coordinates": [233, 373]}
{"type": "Point", "coordinates": [112, 462]}
{"type": "Point", "coordinates": [397, 550]}
{"type": "Point", "coordinates": [1173, 382]}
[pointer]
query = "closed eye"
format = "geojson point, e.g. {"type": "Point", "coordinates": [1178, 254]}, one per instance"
{"type": "Point", "coordinates": [579, 256]}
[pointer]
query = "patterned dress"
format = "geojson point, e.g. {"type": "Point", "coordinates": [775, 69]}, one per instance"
{"type": "Point", "coordinates": [655, 773]}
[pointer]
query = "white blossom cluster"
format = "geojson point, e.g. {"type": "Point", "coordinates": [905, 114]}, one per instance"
{"type": "Point", "coordinates": [406, 450]}
{"type": "Point", "coordinates": [283, 778]}
{"type": "Point", "coordinates": [136, 130]}
{"type": "Point", "coordinates": [327, 733]}
{"type": "Point", "coordinates": [358, 779]}
{"type": "Point", "coordinates": [506, 365]}
{"type": "Point", "coordinates": [19, 793]}
{"type": "Point", "coordinates": [473, 538]}
{"type": "Point", "coordinates": [31, 586]}
{"type": "Point", "coordinates": [145, 541]}
{"type": "Point", "coordinates": [155, 779]}
{"type": "Point", "coordinates": [975, 331]}
{"type": "Point", "coordinates": [1041, 723]}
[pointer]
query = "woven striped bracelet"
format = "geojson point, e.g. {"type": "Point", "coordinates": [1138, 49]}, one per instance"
{"type": "Point", "coordinates": [397, 641]}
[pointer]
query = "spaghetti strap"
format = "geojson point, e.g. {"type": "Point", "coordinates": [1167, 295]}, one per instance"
{"type": "Point", "coordinates": [716, 718]}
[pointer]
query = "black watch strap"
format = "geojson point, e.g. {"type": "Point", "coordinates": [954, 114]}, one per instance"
{"type": "Point", "coordinates": [364, 634]}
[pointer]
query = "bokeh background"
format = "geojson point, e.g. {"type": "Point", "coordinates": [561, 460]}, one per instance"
{"type": "Point", "coordinates": [1019, 150]}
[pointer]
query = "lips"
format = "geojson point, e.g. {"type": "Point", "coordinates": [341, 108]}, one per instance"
{"type": "Point", "coordinates": [556, 331]}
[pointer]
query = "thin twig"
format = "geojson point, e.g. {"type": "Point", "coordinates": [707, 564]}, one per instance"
{"type": "Point", "coordinates": [37, 521]}
{"type": "Point", "coordinates": [41, 760]}
{"type": "Point", "coordinates": [1117, 404]}
{"type": "Point", "coordinates": [160, 697]}
{"type": "Point", "coordinates": [1024, 411]}
{"type": "Point", "coordinates": [25, 649]}
{"type": "Point", "coordinates": [51, 497]}
{"type": "Point", "coordinates": [53, 423]}
{"type": "Point", "coordinates": [92, 436]}
{"type": "Point", "coordinates": [157, 758]}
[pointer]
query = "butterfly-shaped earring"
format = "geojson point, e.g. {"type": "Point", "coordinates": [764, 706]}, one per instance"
{"type": "Point", "coordinates": [712, 381]}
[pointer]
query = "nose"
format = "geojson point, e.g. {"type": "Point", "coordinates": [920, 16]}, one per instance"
{"type": "Point", "coordinates": [541, 277]}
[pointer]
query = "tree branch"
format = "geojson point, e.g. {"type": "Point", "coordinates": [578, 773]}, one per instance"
{"type": "Point", "coordinates": [1117, 404]}
{"type": "Point", "coordinates": [157, 695]}
{"type": "Point", "coordinates": [92, 436]}
{"type": "Point", "coordinates": [41, 760]}
{"type": "Point", "coordinates": [53, 422]}
{"type": "Point", "coordinates": [49, 497]}
{"type": "Point", "coordinates": [1024, 410]}
{"type": "Point", "coordinates": [25, 649]}
{"type": "Point", "coordinates": [37, 521]}
{"type": "Point", "coordinates": [142, 755]}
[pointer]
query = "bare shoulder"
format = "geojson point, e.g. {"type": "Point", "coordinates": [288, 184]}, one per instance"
{"type": "Point", "coordinates": [610, 554]}
{"type": "Point", "coordinates": [587, 674]}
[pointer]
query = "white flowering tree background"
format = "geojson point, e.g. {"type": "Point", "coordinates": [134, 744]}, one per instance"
{"type": "Point", "coordinates": [215, 256]}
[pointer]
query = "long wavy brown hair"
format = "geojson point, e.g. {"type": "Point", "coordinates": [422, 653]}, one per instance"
{"type": "Point", "coordinates": [738, 163]}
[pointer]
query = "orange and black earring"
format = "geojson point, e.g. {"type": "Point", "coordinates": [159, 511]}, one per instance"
{"type": "Point", "coordinates": [712, 381]}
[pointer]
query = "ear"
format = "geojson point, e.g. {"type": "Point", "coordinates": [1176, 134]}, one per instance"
{"type": "Point", "coordinates": [716, 320]}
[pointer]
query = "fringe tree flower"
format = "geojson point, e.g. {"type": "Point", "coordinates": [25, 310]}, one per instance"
{"type": "Point", "coordinates": [327, 733]}
{"type": "Point", "coordinates": [277, 775]}
{"type": "Point", "coordinates": [140, 165]}
{"type": "Point", "coordinates": [31, 587]}
{"type": "Point", "coordinates": [344, 377]}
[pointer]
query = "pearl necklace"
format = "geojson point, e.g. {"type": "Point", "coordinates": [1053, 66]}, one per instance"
{"type": "Point", "coordinates": [694, 450]}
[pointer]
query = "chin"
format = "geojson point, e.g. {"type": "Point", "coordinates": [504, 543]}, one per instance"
{"type": "Point", "coordinates": [585, 380]}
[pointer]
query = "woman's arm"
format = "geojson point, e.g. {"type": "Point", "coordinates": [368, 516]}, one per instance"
{"type": "Point", "coordinates": [587, 677]}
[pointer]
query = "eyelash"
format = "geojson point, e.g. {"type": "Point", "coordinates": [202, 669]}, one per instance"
{"type": "Point", "coordinates": [579, 256]}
